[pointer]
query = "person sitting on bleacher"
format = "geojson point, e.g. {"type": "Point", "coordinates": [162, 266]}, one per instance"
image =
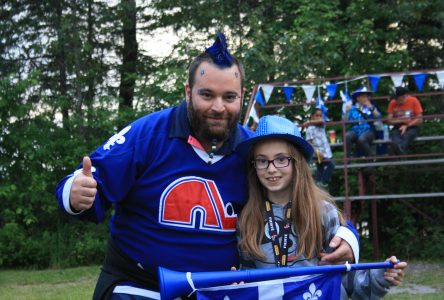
{"type": "Point", "coordinates": [317, 137]}
{"type": "Point", "coordinates": [361, 133]}
{"type": "Point", "coordinates": [405, 114]}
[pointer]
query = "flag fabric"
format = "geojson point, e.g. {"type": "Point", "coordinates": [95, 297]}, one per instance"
{"type": "Point", "coordinates": [253, 114]}
{"type": "Point", "coordinates": [259, 97]}
{"type": "Point", "coordinates": [308, 287]}
{"type": "Point", "coordinates": [346, 100]}
{"type": "Point", "coordinates": [321, 105]}
{"type": "Point", "coordinates": [331, 89]}
{"type": "Point", "coordinates": [419, 80]}
{"type": "Point", "coordinates": [309, 91]}
{"type": "Point", "coordinates": [374, 81]}
{"type": "Point", "coordinates": [307, 283]}
{"type": "Point", "coordinates": [397, 79]}
{"type": "Point", "coordinates": [267, 89]}
{"type": "Point", "coordinates": [288, 91]}
{"type": "Point", "coordinates": [440, 76]}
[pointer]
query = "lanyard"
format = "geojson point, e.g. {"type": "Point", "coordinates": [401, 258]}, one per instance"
{"type": "Point", "coordinates": [280, 251]}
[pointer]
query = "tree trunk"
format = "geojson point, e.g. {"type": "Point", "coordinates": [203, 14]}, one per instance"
{"type": "Point", "coordinates": [129, 55]}
{"type": "Point", "coordinates": [61, 65]}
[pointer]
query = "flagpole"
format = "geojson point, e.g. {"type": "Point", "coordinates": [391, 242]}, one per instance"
{"type": "Point", "coordinates": [277, 273]}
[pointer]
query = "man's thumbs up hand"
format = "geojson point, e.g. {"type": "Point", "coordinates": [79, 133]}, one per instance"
{"type": "Point", "coordinates": [84, 188]}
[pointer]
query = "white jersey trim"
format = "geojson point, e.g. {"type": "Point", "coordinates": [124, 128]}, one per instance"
{"type": "Point", "coordinates": [67, 191]}
{"type": "Point", "coordinates": [205, 157]}
{"type": "Point", "coordinates": [130, 290]}
{"type": "Point", "coordinates": [348, 236]}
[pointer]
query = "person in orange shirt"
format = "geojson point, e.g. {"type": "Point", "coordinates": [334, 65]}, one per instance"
{"type": "Point", "coordinates": [405, 114]}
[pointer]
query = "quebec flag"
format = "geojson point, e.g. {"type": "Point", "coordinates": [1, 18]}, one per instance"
{"type": "Point", "coordinates": [308, 287]}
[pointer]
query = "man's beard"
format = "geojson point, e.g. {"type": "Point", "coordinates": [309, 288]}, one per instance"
{"type": "Point", "coordinates": [203, 130]}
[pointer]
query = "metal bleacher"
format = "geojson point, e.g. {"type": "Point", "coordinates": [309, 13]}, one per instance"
{"type": "Point", "coordinates": [355, 166]}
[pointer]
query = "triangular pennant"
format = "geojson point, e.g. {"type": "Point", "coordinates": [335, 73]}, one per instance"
{"type": "Point", "coordinates": [320, 104]}
{"type": "Point", "coordinates": [268, 89]}
{"type": "Point", "coordinates": [319, 101]}
{"type": "Point", "coordinates": [345, 96]}
{"type": "Point", "coordinates": [253, 113]}
{"type": "Point", "coordinates": [258, 97]}
{"type": "Point", "coordinates": [440, 76]}
{"type": "Point", "coordinates": [346, 100]}
{"type": "Point", "coordinates": [419, 79]}
{"type": "Point", "coordinates": [288, 91]}
{"type": "Point", "coordinates": [309, 91]}
{"type": "Point", "coordinates": [374, 81]}
{"type": "Point", "coordinates": [397, 79]}
{"type": "Point", "coordinates": [331, 89]}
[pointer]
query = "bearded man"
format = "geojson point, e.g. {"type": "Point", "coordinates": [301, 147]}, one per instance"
{"type": "Point", "coordinates": [175, 182]}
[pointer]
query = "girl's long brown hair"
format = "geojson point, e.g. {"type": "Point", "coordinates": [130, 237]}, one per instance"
{"type": "Point", "coordinates": [306, 199]}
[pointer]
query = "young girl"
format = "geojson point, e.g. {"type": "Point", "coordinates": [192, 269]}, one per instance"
{"type": "Point", "coordinates": [285, 204]}
{"type": "Point", "coordinates": [317, 137]}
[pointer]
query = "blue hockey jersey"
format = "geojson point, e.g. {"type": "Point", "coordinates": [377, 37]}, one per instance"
{"type": "Point", "coordinates": [172, 208]}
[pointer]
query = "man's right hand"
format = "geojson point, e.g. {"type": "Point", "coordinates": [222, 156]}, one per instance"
{"type": "Point", "coordinates": [84, 188]}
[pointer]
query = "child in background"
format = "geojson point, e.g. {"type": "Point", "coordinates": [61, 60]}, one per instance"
{"type": "Point", "coordinates": [317, 137]}
{"type": "Point", "coordinates": [285, 203]}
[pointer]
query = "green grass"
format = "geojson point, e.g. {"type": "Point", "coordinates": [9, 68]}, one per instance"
{"type": "Point", "coordinates": [68, 284]}
{"type": "Point", "coordinates": [78, 283]}
{"type": "Point", "coordinates": [427, 277]}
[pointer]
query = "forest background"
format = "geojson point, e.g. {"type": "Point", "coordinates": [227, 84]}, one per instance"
{"type": "Point", "coordinates": [74, 72]}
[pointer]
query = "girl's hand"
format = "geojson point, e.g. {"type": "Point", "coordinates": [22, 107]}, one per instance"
{"type": "Point", "coordinates": [395, 275]}
{"type": "Point", "coordinates": [234, 283]}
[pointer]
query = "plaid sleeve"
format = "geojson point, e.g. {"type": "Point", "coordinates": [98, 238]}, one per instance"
{"type": "Point", "coordinates": [330, 222]}
{"type": "Point", "coordinates": [365, 284]}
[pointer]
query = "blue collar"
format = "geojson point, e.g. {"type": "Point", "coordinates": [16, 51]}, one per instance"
{"type": "Point", "coordinates": [180, 128]}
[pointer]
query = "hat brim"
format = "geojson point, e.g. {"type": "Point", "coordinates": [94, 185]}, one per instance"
{"type": "Point", "coordinates": [244, 147]}
{"type": "Point", "coordinates": [356, 94]}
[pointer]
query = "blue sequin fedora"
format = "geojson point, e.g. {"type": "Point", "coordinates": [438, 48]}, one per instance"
{"type": "Point", "coordinates": [360, 91]}
{"type": "Point", "coordinates": [276, 127]}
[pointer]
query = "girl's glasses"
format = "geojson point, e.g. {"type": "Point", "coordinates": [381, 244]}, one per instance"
{"type": "Point", "coordinates": [280, 162]}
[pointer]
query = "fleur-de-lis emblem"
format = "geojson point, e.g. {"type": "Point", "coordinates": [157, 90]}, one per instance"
{"type": "Point", "coordinates": [313, 294]}
{"type": "Point", "coordinates": [117, 138]}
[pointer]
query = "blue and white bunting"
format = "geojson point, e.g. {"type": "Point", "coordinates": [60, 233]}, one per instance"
{"type": "Point", "coordinates": [267, 89]}
{"type": "Point", "coordinates": [253, 114]}
{"type": "Point", "coordinates": [397, 79]}
{"type": "Point", "coordinates": [374, 81]}
{"type": "Point", "coordinates": [440, 76]}
{"type": "Point", "coordinates": [309, 92]}
{"type": "Point", "coordinates": [320, 104]}
{"type": "Point", "coordinates": [419, 80]}
{"type": "Point", "coordinates": [288, 91]}
{"type": "Point", "coordinates": [258, 97]}
{"type": "Point", "coordinates": [331, 89]}
{"type": "Point", "coordinates": [346, 100]}
{"type": "Point", "coordinates": [301, 287]}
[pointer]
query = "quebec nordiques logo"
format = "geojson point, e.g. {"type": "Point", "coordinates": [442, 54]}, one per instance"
{"type": "Point", "coordinates": [187, 197]}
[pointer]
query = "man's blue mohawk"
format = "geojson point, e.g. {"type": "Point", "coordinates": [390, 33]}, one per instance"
{"type": "Point", "coordinates": [219, 51]}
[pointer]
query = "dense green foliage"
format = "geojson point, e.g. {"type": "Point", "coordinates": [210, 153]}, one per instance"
{"type": "Point", "coordinates": [71, 75]}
